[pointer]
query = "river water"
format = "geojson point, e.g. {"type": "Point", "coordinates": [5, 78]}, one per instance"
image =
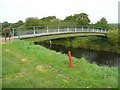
{"type": "Point", "coordinates": [101, 58]}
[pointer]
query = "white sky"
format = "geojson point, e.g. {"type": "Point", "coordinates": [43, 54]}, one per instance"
{"type": "Point", "coordinates": [15, 10]}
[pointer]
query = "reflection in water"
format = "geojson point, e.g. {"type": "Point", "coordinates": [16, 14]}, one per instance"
{"type": "Point", "coordinates": [99, 57]}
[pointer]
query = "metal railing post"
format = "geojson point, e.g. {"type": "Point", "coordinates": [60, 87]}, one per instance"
{"type": "Point", "coordinates": [88, 29]}
{"type": "Point", "coordinates": [75, 29]}
{"type": "Point", "coordinates": [67, 29]}
{"type": "Point", "coordinates": [93, 29]}
{"type": "Point", "coordinates": [58, 29]}
{"type": "Point", "coordinates": [105, 30]}
{"type": "Point", "coordinates": [97, 29]}
{"type": "Point", "coordinates": [34, 30]}
{"type": "Point", "coordinates": [13, 32]}
{"type": "Point", "coordinates": [101, 30]}
{"type": "Point", "coordinates": [47, 30]}
{"type": "Point", "coordinates": [82, 28]}
{"type": "Point", "coordinates": [18, 34]}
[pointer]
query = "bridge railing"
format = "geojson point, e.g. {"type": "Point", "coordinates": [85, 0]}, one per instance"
{"type": "Point", "coordinates": [40, 31]}
{"type": "Point", "coordinates": [64, 30]}
{"type": "Point", "coordinates": [53, 30]}
{"type": "Point", "coordinates": [71, 29]}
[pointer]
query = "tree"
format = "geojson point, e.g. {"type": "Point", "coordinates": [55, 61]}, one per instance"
{"type": "Point", "coordinates": [17, 24]}
{"type": "Point", "coordinates": [102, 23]}
{"type": "Point", "coordinates": [32, 21]}
{"type": "Point", "coordinates": [69, 19]}
{"type": "Point", "coordinates": [113, 26]}
{"type": "Point", "coordinates": [113, 36]}
{"type": "Point", "coordinates": [53, 23]}
{"type": "Point", "coordinates": [46, 20]}
{"type": "Point", "coordinates": [5, 25]}
{"type": "Point", "coordinates": [50, 21]}
{"type": "Point", "coordinates": [81, 19]}
{"type": "Point", "coordinates": [65, 24]}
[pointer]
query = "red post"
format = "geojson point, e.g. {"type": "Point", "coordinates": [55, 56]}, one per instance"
{"type": "Point", "coordinates": [70, 59]}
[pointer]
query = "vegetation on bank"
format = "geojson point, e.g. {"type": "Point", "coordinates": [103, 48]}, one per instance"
{"type": "Point", "coordinates": [109, 43]}
{"type": "Point", "coordinates": [26, 65]}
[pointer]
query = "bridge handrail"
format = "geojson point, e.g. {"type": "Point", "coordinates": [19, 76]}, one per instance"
{"type": "Point", "coordinates": [64, 30]}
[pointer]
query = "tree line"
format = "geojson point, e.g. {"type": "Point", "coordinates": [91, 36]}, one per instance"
{"type": "Point", "coordinates": [72, 21]}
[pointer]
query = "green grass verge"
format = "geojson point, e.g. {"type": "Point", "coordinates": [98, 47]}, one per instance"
{"type": "Point", "coordinates": [0, 66]}
{"type": "Point", "coordinates": [26, 65]}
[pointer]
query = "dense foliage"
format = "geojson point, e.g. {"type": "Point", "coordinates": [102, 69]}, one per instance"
{"type": "Point", "coordinates": [113, 36]}
{"type": "Point", "coordinates": [102, 23]}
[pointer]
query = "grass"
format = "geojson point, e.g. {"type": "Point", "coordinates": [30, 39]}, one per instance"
{"type": "Point", "coordinates": [26, 65]}
{"type": "Point", "coordinates": [0, 66]}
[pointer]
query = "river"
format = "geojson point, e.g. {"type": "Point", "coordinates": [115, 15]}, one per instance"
{"type": "Point", "coordinates": [101, 58]}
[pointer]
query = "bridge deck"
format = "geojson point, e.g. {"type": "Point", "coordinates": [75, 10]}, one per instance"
{"type": "Point", "coordinates": [56, 33]}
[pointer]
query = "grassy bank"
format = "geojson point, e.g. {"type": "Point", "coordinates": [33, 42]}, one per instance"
{"type": "Point", "coordinates": [27, 65]}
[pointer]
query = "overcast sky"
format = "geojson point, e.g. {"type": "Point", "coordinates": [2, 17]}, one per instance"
{"type": "Point", "coordinates": [15, 10]}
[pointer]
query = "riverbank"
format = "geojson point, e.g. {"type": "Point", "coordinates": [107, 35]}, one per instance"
{"type": "Point", "coordinates": [26, 65]}
{"type": "Point", "coordinates": [92, 43]}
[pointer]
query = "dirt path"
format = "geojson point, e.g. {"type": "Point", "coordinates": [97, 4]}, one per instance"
{"type": "Point", "coordinates": [2, 40]}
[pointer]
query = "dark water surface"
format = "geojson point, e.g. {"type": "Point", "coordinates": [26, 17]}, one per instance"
{"type": "Point", "coordinates": [99, 57]}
